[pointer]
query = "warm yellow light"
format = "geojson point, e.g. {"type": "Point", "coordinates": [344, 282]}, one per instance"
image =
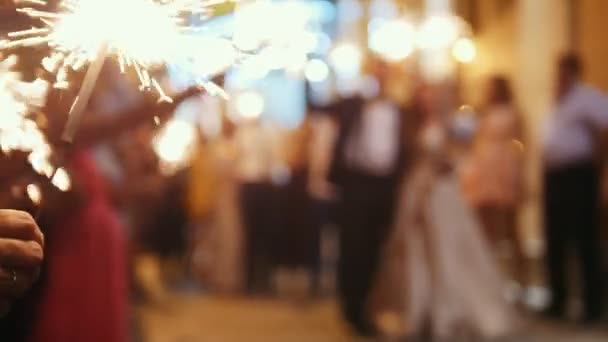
{"type": "Point", "coordinates": [393, 40]}
{"type": "Point", "coordinates": [346, 60]}
{"type": "Point", "coordinates": [174, 145]}
{"type": "Point", "coordinates": [438, 32]}
{"type": "Point", "coordinates": [249, 105]}
{"type": "Point", "coordinates": [34, 193]}
{"type": "Point", "coordinates": [211, 55]}
{"type": "Point", "coordinates": [280, 33]}
{"type": "Point", "coordinates": [139, 34]}
{"type": "Point", "coordinates": [316, 71]}
{"type": "Point", "coordinates": [61, 180]}
{"type": "Point", "coordinates": [18, 131]}
{"type": "Point", "coordinates": [464, 50]}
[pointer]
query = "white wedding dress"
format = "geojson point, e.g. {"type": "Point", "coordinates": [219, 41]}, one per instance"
{"type": "Point", "coordinates": [452, 283]}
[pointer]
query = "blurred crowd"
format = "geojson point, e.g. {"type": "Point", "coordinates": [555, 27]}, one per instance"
{"type": "Point", "coordinates": [406, 207]}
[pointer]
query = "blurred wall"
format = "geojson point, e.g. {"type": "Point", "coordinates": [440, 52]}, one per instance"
{"type": "Point", "coordinates": [591, 29]}
{"type": "Point", "coordinates": [543, 33]}
{"type": "Point", "coordinates": [495, 36]}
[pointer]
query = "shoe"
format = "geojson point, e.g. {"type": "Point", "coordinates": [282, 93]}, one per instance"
{"type": "Point", "coordinates": [591, 318]}
{"type": "Point", "coordinates": [553, 313]}
{"type": "Point", "coordinates": [365, 329]}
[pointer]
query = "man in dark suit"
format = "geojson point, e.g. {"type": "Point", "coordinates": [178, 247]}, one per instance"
{"type": "Point", "coordinates": [366, 169]}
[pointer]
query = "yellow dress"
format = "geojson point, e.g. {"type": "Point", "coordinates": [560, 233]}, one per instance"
{"type": "Point", "coordinates": [203, 189]}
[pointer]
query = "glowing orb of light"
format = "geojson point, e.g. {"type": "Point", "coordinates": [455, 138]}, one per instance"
{"type": "Point", "coordinates": [438, 32]}
{"type": "Point", "coordinates": [249, 104]}
{"type": "Point", "coordinates": [393, 40]}
{"type": "Point", "coordinates": [464, 50]}
{"type": "Point", "coordinates": [316, 71]}
{"type": "Point", "coordinates": [174, 145]}
{"type": "Point", "coordinates": [346, 59]}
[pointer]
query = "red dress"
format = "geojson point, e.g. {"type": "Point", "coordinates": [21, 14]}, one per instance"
{"type": "Point", "coordinates": [85, 297]}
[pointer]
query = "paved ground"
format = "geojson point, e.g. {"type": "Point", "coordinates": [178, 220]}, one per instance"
{"type": "Point", "coordinates": [193, 318]}
{"type": "Point", "coordinates": [199, 319]}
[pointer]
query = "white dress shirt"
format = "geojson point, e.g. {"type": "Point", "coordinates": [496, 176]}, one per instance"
{"type": "Point", "coordinates": [571, 128]}
{"type": "Point", "coordinates": [259, 146]}
{"type": "Point", "coordinates": [374, 146]}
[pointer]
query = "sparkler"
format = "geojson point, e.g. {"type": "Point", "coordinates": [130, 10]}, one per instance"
{"type": "Point", "coordinates": [144, 35]}
{"type": "Point", "coordinates": [139, 34]}
{"type": "Point", "coordinates": [18, 131]}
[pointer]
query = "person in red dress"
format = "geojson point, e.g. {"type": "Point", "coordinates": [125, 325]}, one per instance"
{"type": "Point", "coordinates": [84, 295]}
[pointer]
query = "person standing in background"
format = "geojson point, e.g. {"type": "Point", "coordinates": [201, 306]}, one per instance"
{"type": "Point", "coordinates": [366, 170]}
{"type": "Point", "coordinates": [298, 248]}
{"type": "Point", "coordinates": [493, 175]}
{"type": "Point", "coordinates": [572, 137]}
{"type": "Point", "coordinates": [84, 297]}
{"type": "Point", "coordinates": [258, 172]}
{"type": "Point", "coordinates": [452, 286]}
{"type": "Point", "coordinates": [323, 198]}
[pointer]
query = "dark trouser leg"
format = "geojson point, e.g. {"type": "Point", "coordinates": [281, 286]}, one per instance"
{"type": "Point", "coordinates": [588, 241]}
{"type": "Point", "coordinates": [363, 233]}
{"type": "Point", "coordinates": [248, 218]}
{"type": "Point", "coordinates": [589, 249]}
{"type": "Point", "coordinates": [354, 266]}
{"type": "Point", "coordinates": [572, 217]}
{"type": "Point", "coordinates": [252, 197]}
{"type": "Point", "coordinates": [299, 234]}
{"type": "Point", "coordinates": [556, 221]}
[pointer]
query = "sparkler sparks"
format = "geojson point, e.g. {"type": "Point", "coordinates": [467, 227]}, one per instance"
{"type": "Point", "coordinates": [142, 34]}
{"type": "Point", "coordinates": [139, 34]}
{"type": "Point", "coordinates": [18, 131]}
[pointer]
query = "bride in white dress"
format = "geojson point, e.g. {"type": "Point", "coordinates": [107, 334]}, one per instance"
{"type": "Point", "coordinates": [452, 284]}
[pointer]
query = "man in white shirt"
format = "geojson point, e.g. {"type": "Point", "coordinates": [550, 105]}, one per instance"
{"type": "Point", "coordinates": [571, 142]}
{"type": "Point", "coordinates": [366, 168]}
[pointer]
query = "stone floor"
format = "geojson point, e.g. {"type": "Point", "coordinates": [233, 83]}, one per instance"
{"type": "Point", "coordinates": [202, 319]}
{"type": "Point", "coordinates": [195, 318]}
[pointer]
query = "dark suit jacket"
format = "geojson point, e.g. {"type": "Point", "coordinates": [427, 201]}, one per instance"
{"type": "Point", "coordinates": [348, 113]}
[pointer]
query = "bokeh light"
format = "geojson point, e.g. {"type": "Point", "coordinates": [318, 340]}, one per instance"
{"type": "Point", "coordinates": [464, 50]}
{"type": "Point", "coordinates": [346, 59]}
{"type": "Point", "coordinates": [438, 32]}
{"type": "Point", "coordinates": [393, 40]}
{"type": "Point", "coordinates": [174, 145]}
{"type": "Point", "coordinates": [316, 71]}
{"type": "Point", "coordinates": [249, 105]}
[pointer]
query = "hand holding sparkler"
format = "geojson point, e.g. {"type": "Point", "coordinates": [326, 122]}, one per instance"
{"type": "Point", "coordinates": [21, 253]}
